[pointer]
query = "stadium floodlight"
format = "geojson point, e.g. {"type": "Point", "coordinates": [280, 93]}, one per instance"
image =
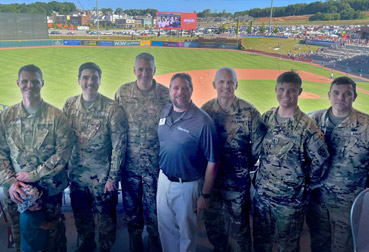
{"type": "Point", "coordinates": [270, 19]}
{"type": "Point", "coordinates": [97, 22]}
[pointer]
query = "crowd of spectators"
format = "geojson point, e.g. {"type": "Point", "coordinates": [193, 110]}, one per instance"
{"type": "Point", "coordinates": [351, 56]}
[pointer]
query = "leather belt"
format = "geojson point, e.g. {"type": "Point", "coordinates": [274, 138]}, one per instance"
{"type": "Point", "coordinates": [174, 179]}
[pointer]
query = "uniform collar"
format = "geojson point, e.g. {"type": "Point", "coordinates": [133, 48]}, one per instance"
{"type": "Point", "coordinates": [22, 112]}
{"type": "Point", "coordinates": [97, 105]}
{"type": "Point", "coordinates": [350, 120]}
{"type": "Point", "coordinates": [292, 121]}
{"type": "Point", "coordinates": [136, 92]}
{"type": "Point", "coordinates": [296, 115]}
{"type": "Point", "coordinates": [233, 109]}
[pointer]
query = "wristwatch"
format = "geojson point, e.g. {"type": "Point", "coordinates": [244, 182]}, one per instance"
{"type": "Point", "coordinates": [205, 195]}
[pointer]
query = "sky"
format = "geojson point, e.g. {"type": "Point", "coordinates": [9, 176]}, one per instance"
{"type": "Point", "coordinates": [174, 5]}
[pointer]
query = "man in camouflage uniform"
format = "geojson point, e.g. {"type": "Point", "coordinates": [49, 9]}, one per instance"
{"type": "Point", "coordinates": [142, 100]}
{"type": "Point", "coordinates": [346, 132]}
{"type": "Point", "coordinates": [101, 129]}
{"type": "Point", "coordinates": [292, 159]}
{"type": "Point", "coordinates": [36, 141]}
{"type": "Point", "coordinates": [240, 131]}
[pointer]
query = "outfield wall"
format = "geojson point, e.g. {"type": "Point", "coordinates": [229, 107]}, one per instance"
{"type": "Point", "coordinates": [216, 43]}
{"type": "Point", "coordinates": [30, 43]}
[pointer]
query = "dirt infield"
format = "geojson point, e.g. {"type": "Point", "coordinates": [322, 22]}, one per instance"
{"type": "Point", "coordinates": [362, 90]}
{"type": "Point", "coordinates": [203, 87]}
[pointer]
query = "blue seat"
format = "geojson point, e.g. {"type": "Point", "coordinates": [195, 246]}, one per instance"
{"type": "Point", "coordinates": [360, 222]}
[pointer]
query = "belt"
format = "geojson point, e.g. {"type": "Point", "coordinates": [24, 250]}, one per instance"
{"type": "Point", "coordinates": [174, 179]}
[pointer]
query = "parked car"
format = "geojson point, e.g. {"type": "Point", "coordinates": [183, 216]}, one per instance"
{"type": "Point", "coordinates": [55, 32]}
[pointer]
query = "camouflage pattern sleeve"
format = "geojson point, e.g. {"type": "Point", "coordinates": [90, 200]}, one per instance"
{"type": "Point", "coordinates": [63, 146]}
{"type": "Point", "coordinates": [117, 97]}
{"type": "Point", "coordinates": [118, 129]}
{"type": "Point", "coordinates": [66, 108]}
{"type": "Point", "coordinates": [317, 152]}
{"type": "Point", "coordinates": [7, 173]}
{"type": "Point", "coordinates": [258, 131]}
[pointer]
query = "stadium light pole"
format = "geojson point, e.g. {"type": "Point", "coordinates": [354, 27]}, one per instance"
{"type": "Point", "coordinates": [270, 19]}
{"type": "Point", "coordinates": [97, 21]}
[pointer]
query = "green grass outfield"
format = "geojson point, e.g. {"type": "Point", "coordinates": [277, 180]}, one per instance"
{"type": "Point", "coordinates": [60, 69]}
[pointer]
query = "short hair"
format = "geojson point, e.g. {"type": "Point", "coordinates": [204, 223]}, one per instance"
{"type": "Point", "coordinates": [30, 68]}
{"type": "Point", "coordinates": [226, 69]}
{"type": "Point", "coordinates": [183, 76]}
{"type": "Point", "coordinates": [90, 66]}
{"type": "Point", "coordinates": [146, 56]}
{"type": "Point", "coordinates": [289, 77]}
{"type": "Point", "coordinates": [344, 80]}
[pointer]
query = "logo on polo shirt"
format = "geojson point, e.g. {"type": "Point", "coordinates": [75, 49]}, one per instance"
{"type": "Point", "coordinates": [162, 121]}
{"type": "Point", "coordinates": [182, 129]}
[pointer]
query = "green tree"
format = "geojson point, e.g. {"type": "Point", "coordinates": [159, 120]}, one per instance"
{"type": "Point", "coordinates": [262, 28]}
{"type": "Point", "coordinates": [347, 14]}
{"type": "Point", "coordinates": [106, 10]}
{"type": "Point", "coordinates": [119, 11]}
{"type": "Point", "coordinates": [204, 13]}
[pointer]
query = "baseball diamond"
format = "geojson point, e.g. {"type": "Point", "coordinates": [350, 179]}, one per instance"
{"type": "Point", "coordinates": [256, 73]}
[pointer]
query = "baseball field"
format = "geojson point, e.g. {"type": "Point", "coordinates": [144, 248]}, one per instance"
{"type": "Point", "coordinates": [256, 74]}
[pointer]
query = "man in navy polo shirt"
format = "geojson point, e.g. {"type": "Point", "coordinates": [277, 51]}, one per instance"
{"type": "Point", "coordinates": [189, 155]}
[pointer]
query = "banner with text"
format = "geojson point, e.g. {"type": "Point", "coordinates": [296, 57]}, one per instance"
{"type": "Point", "coordinates": [72, 42]}
{"type": "Point", "coordinates": [127, 43]}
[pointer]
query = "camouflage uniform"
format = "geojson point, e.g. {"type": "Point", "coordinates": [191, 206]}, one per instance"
{"type": "Point", "coordinates": [291, 162]}
{"type": "Point", "coordinates": [347, 176]}
{"type": "Point", "coordinates": [141, 171]}
{"type": "Point", "coordinates": [101, 132]}
{"type": "Point", "coordinates": [41, 145]}
{"type": "Point", "coordinates": [240, 131]}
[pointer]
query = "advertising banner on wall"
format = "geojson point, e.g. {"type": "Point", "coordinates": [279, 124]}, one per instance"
{"type": "Point", "coordinates": [127, 43]}
{"type": "Point", "coordinates": [146, 43]}
{"type": "Point", "coordinates": [57, 42]}
{"type": "Point", "coordinates": [157, 43]}
{"type": "Point", "coordinates": [106, 43]}
{"type": "Point", "coordinates": [72, 42]}
{"type": "Point", "coordinates": [171, 44]}
{"type": "Point", "coordinates": [176, 20]}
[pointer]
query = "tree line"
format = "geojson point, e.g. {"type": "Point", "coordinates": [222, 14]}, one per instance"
{"type": "Point", "coordinates": [39, 7]}
{"type": "Point", "coordinates": [65, 8]}
{"type": "Point", "coordinates": [328, 10]}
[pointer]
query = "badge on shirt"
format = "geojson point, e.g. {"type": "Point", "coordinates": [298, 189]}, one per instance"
{"type": "Point", "coordinates": [162, 121]}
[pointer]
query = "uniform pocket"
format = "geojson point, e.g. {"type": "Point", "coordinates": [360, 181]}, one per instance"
{"type": "Point", "coordinates": [40, 137]}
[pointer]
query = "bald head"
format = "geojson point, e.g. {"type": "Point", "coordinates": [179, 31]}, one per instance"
{"type": "Point", "coordinates": [225, 82]}
{"type": "Point", "coordinates": [225, 69]}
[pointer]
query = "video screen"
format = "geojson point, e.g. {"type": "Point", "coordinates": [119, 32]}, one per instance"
{"type": "Point", "coordinates": [168, 21]}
